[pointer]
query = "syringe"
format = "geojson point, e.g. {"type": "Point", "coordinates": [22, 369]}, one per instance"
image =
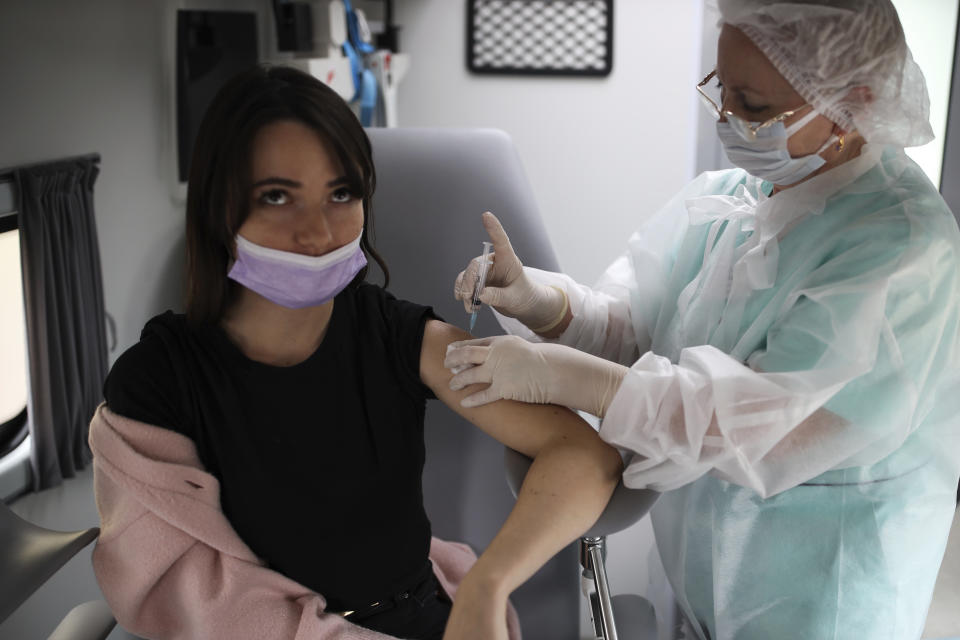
{"type": "Point", "coordinates": [485, 264]}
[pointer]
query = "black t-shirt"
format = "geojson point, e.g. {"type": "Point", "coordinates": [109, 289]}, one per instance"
{"type": "Point", "coordinates": [320, 463]}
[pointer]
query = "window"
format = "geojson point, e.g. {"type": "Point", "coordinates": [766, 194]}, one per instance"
{"type": "Point", "coordinates": [13, 345]}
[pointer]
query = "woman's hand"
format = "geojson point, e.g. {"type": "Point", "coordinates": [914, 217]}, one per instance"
{"type": "Point", "coordinates": [545, 373]}
{"type": "Point", "coordinates": [508, 289]}
{"type": "Point", "coordinates": [478, 613]}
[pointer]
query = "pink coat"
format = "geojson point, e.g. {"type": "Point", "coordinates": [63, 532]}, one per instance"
{"type": "Point", "coordinates": [170, 564]}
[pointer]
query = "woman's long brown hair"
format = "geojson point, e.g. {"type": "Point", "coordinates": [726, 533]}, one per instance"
{"type": "Point", "coordinates": [218, 187]}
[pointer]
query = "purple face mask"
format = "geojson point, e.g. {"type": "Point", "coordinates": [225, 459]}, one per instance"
{"type": "Point", "coordinates": [293, 280]}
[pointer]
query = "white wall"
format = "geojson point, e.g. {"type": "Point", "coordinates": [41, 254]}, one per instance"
{"type": "Point", "coordinates": [601, 153]}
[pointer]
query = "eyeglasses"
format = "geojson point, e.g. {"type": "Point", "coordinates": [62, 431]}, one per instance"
{"type": "Point", "coordinates": [747, 130]}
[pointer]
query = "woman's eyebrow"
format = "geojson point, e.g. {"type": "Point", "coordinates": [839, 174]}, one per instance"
{"type": "Point", "coordinates": [286, 182]}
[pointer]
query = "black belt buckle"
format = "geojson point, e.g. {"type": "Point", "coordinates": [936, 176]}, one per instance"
{"type": "Point", "coordinates": [366, 612]}
{"type": "Point", "coordinates": [420, 593]}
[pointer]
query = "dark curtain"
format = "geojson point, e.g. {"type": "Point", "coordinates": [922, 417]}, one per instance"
{"type": "Point", "coordinates": [63, 301]}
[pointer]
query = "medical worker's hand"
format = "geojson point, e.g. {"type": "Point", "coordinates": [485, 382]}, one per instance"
{"type": "Point", "coordinates": [508, 289]}
{"type": "Point", "coordinates": [541, 373]}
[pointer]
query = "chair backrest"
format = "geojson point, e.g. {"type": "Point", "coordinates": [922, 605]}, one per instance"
{"type": "Point", "coordinates": [432, 186]}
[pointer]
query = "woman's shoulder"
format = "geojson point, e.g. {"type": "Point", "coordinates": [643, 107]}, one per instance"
{"type": "Point", "coordinates": [155, 347]}
{"type": "Point", "coordinates": [150, 345]}
{"type": "Point", "coordinates": [143, 383]}
{"type": "Point", "coordinates": [370, 293]}
{"type": "Point", "coordinates": [393, 328]}
{"type": "Point", "coordinates": [373, 301]}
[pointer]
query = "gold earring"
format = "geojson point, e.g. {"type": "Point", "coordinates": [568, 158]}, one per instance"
{"type": "Point", "coordinates": [840, 143]}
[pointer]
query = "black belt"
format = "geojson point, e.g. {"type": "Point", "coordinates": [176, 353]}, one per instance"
{"type": "Point", "coordinates": [420, 592]}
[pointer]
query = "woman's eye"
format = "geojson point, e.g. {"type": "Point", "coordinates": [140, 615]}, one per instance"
{"type": "Point", "coordinates": [342, 195]}
{"type": "Point", "coordinates": [274, 197]}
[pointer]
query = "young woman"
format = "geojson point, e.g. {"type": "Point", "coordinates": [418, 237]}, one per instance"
{"type": "Point", "coordinates": [259, 459]}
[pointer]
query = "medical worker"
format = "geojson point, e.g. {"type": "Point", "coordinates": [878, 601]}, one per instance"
{"type": "Point", "coordinates": [777, 350]}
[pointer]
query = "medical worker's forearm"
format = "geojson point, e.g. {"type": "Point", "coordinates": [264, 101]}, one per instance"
{"type": "Point", "coordinates": [680, 421]}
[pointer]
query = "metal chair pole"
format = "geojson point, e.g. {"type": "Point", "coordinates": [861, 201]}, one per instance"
{"type": "Point", "coordinates": [593, 549]}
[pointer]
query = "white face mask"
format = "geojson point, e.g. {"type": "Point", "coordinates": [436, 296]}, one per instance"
{"type": "Point", "coordinates": [766, 156]}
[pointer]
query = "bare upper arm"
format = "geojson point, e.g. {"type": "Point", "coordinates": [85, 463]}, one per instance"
{"type": "Point", "coordinates": [520, 426]}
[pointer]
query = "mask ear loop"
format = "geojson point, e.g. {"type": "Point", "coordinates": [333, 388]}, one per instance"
{"type": "Point", "coordinates": [826, 145]}
{"type": "Point", "coordinates": [804, 121]}
{"type": "Point", "coordinates": [801, 123]}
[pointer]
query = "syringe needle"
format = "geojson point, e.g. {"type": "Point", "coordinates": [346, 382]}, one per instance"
{"type": "Point", "coordinates": [485, 264]}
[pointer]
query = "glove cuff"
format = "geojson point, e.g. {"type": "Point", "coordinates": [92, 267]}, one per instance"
{"type": "Point", "coordinates": [563, 313]}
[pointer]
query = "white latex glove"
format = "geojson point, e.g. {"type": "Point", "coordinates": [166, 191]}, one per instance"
{"type": "Point", "coordinates": [541, 373]}
{"type": "Point", "coordinates": [508, 289]}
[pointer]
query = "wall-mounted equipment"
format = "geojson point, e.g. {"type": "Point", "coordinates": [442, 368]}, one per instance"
{"type": "Point", "coordinates": [540, 37]}
{"type": "Point", "coordinates": [294, 21]}
{"type": "Point", "coordinates": [212, 47]}
{"type": "Point", "coordinates": [349, 54]}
